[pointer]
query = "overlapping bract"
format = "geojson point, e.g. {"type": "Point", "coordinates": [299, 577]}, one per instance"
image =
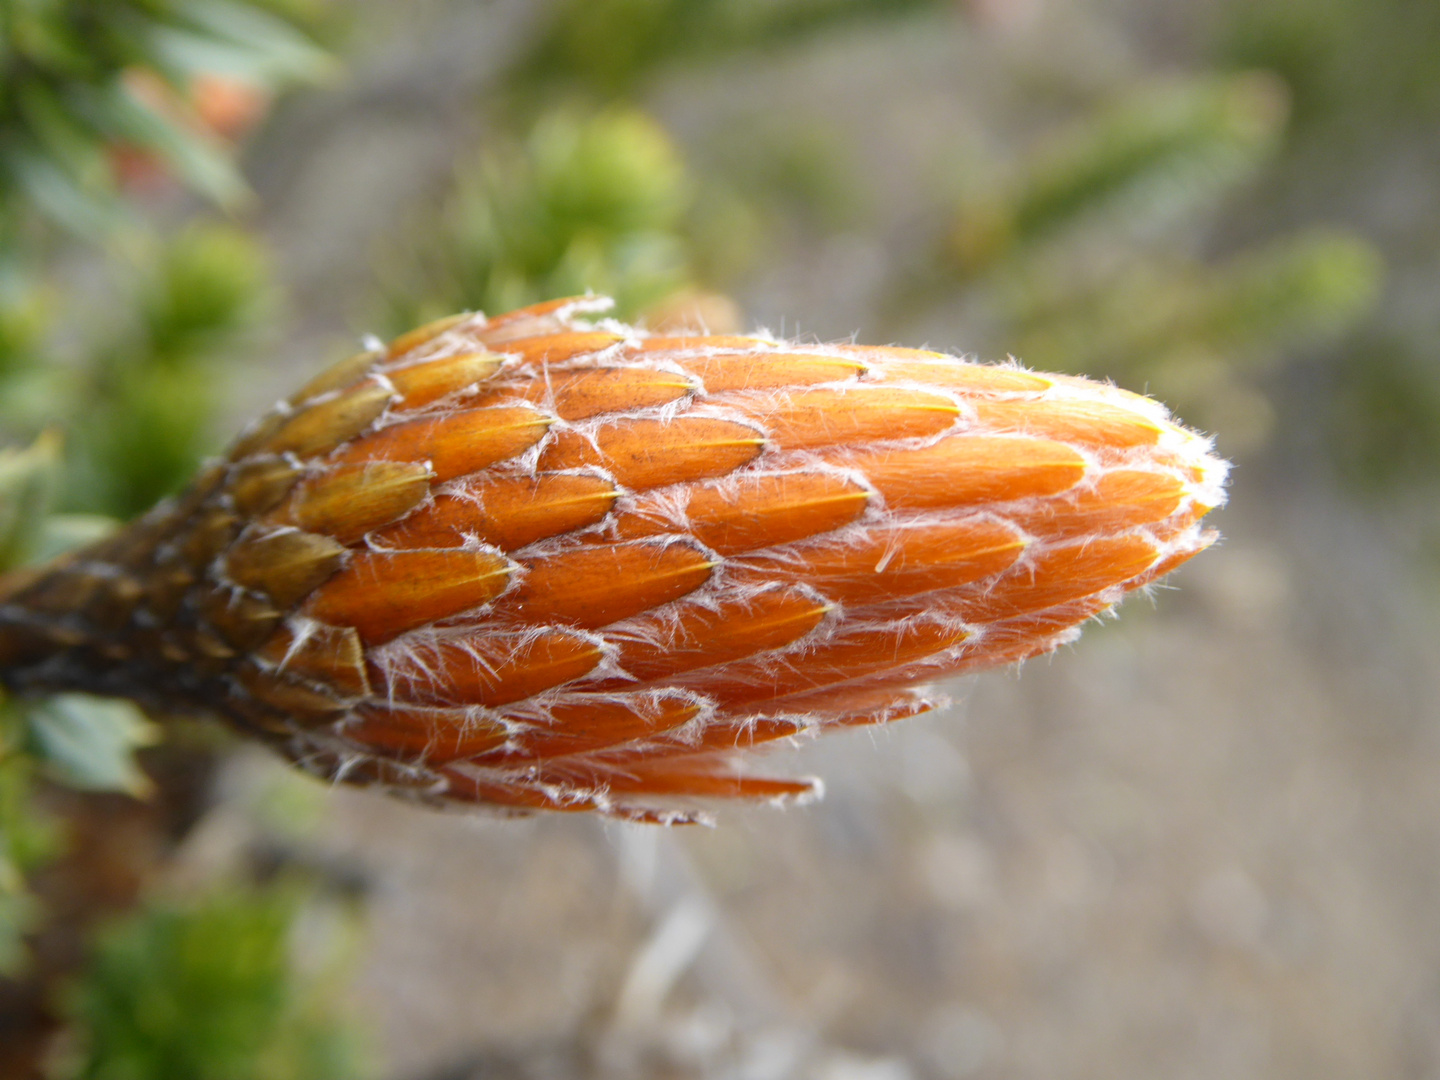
{"type": "Point", "coordinates": [538, 562]}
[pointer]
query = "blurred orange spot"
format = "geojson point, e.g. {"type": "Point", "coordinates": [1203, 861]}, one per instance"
{"type": "Point", "coordinates": [227, 106]}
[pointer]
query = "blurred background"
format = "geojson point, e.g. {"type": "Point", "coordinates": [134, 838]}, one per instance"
{"type": "Point", "coordinates": [1203, 842]}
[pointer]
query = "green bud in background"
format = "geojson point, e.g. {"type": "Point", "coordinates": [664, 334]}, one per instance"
{"type": "Point", "coordinates": [583, 203]}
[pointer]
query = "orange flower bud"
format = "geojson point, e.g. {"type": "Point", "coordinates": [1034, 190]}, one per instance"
{"type": "Point", "coordinates": [538, 564]}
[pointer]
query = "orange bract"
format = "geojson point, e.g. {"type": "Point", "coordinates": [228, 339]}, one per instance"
{"type": "Point", "coordinates": [507, 511]}
{"type": "Point", "coordinates": [749, 510]}
{"type": "Point", "coordinates": [541, 564]}
{"type": "Point", "coordinates": [642, 453]}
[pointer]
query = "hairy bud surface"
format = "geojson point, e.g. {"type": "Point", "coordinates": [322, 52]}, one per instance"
{"type": "Point", "coordinates": [535, 561]}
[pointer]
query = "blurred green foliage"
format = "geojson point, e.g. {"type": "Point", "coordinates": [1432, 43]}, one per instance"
{"type": "Point", "coordinates": [151, 383]}
{"type": "Point", "coordinates": [1365, 79]}
{"type": "Point", "coordinates": [1242, 311]}
{"type": "Point", "coordinates": [1088, 254]}
{"type": "Point", "coordinates": [82, 741]}
{"type": "Point", "coordinates": [28, 839]}
{"type": "Point", "coordinates": [605, 49]}
{"type": "Point", "coordinates": [132, 384]}
{"type": "Point", "coordinates": [72, 95]}
{"type": "Point", "coordinates": [89, 742]}
{"type": "Point", "coordinates": [1201, 335]}
{"type": "Point", "coordinates": [581, 203]}
{"type": "Point", "coordinates": [1385, 419]}
{"type": "Point", "coordinates": [134, 400]}
{"type": "Point", "coordinates": [28, 479]}
{"type": "Point", "coordinates": [212, 990]}
{"type": "Point", "coordinates": [1345, 61]}
{"type": "Point", "coordinates": [112, 376]}
{"type": "Point", "coordinates": [1155, 156]}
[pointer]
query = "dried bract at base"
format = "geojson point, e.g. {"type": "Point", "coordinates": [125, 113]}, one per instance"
{"type": "Point", "coordinates": [538, 563]}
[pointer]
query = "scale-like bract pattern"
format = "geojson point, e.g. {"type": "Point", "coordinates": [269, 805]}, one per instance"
{"type": "Point", "coordinates": [536, 562]}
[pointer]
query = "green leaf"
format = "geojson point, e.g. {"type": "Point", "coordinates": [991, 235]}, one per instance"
{"type": "Point", "coordinates": [90, 742]}
{"type": "Point", "coordinates": [236, 39]}
{"type": "Point", "coordinates": [62, 533]}
{"type": "Point", "coordinates": [27, 312]}
{"type": "Point", "coordinates": [27, 485]}
{"type": "Point", "coordinates": [57, 194]}
{"type": "Point", "coordinates": [72, 146]}
{"type": "Point", "coordinates": [210, 285]}
{"type": "Point", "coordinates": [209, 991]}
